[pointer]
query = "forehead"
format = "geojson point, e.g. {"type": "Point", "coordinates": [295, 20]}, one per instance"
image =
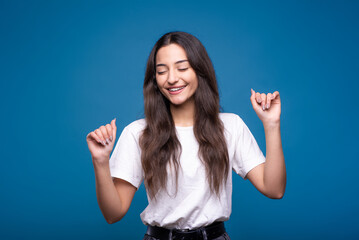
{"type": "Point", "coordinates": [170, 54]}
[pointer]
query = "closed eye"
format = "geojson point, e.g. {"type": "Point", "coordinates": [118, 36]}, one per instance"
{"type": "Point", "coordinates": [161, 73]}
{"type": "Point", "coordinates": [182, 69]}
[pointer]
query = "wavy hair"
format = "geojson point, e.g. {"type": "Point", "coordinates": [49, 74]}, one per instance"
{"type": "Point", "coordinates": [159, 143]}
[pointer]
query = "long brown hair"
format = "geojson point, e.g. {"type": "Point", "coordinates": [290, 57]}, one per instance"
{"type": "Point", "coordinates": [159, 143]}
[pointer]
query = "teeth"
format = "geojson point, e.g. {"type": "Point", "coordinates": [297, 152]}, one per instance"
{"type": "Point", "coordinates": [175, 89]}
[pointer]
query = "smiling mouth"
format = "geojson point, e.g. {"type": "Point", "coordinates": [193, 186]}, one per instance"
{"type": "Point", "coordinates": [176, 89]}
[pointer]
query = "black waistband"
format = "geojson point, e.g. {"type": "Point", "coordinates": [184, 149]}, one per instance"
{"type": "Point", "coordinates": [212, 231]}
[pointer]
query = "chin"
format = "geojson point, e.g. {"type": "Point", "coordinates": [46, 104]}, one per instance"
{"type": "Point", "coordinates": [177, 102]}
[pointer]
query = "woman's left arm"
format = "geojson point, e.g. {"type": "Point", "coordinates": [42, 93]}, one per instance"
{"type": "Point", "coordinates": [270, 177]}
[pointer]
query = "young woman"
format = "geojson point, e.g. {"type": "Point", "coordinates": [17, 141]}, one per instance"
{"type": "Point", "coordinates": [184, 149]}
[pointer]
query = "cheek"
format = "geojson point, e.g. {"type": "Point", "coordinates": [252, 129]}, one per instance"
{"type": "Point", "coordinates": [160, 80]}
{"type": "Point", "coordinates": [195, 83]}
{"type": "Point", "coordinates": [160, 86]}
{"type": "Point", "coordinates": [193, 78]}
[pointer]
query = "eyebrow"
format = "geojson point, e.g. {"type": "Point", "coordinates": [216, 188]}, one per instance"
{"type": "Point", "coordinates": [180, 61]}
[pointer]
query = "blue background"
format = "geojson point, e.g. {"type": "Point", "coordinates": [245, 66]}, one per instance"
{"type": "Point", "coordinates": [67, 67]}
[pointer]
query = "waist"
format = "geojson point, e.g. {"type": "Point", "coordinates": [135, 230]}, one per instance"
{"type": "Point", "coordinates": [211, 231]}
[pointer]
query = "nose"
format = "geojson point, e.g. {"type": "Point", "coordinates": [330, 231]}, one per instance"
{"type": "Point", "coordinates": [172, 77]}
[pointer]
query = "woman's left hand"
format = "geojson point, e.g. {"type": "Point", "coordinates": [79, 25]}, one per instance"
{"type": "Point", "coordinates": [267, 106]}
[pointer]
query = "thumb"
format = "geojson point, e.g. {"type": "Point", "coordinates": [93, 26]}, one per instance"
{"type": "Point", "coordinates": [114, 128]}
{"type": "Point", "coordinates": [255, 105]}
{"type": "Point", "coordinates": [253, 99]}
{"type": "Point", "coordinates": [252, 92]}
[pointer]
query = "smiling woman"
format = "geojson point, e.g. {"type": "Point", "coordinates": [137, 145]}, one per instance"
{"type": "Point", "coordinates": [179, 60]}
{"type": "Point", "coordinates": [175, 77]}
{"type": "Point", "coordinates": [185, 149]}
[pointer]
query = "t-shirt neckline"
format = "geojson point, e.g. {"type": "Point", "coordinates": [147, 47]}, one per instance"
{"type": "Point", "coordinates": [184, 128]}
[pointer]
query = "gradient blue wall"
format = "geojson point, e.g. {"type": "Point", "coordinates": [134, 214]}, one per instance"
{"type": "Point", "coordinates": [67, 67]}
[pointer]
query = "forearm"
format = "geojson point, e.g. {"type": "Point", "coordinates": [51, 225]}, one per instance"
{"type": "Point", "coordinates": [107, 196]}
{"type": "Point", "coordinates": [274, 169]}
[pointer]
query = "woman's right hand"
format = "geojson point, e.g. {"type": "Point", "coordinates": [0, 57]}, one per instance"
{"type": "Point", "coordinates": [101, 142]}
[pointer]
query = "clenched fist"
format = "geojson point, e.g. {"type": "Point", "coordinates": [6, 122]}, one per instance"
{"type": "Point", "coordinates": [267, 106]}
{"type": "Point", "coordinates": [101, 142]}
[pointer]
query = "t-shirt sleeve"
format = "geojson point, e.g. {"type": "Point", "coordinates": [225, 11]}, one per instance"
{"type": "Point", "coordinates": [125, 161]}
{"type": "Point", "coordinates": [247, 152]}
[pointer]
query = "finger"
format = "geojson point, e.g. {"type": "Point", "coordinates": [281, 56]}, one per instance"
{"type": "Point", "coordinates": [109, 132]}
{"type": "Point", "coordinates": [254, 100]}
{"type": "Point", "coordinates": [276, 95]}
{"type": "Point", "coordinates": [114, 128]}
{"type": "Point", "coordinates": [99, 134]}
{"type": "Point", "coordinates": [269, 99]}
{"type": "Point", "coordinates": [258, 97]}
{"type": "Point", "coordinates": [94, 136]}
{"type": "Point", "coordinates": [91, 137]}
{"type": "Point", "coordinates": [105, 134]}
{"type": "Point", "coordinates": [253, 96]}
{"type": "Point", "coordinates": [263, 101]}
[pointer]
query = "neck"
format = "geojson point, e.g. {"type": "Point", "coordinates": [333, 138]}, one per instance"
{"type": "Point", "coordinates": [183, 115]}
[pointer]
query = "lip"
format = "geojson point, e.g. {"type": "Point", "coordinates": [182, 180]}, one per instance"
{"type": "Point", "coordinates": [176, 92]}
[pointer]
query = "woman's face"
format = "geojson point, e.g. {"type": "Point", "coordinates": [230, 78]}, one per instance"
{"type": "Point", "coordinates": [175, 77]}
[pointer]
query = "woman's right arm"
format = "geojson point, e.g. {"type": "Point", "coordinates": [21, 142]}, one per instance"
{"type": "Point", "coordinates": [114, 196]}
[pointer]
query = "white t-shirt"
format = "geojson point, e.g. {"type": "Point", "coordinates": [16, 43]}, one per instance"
{"type": "Point", "coordinates": [193, 206]}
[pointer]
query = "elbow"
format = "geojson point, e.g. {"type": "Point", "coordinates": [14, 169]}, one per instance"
{"type": "Point", "coordinates": [277, 195]}
{"type": "Point", "coordinates": [276, 192]}
{"type": "Point", "coordinates": [109, 221]}
{"type": "Point", "coordinates": [112, 221]}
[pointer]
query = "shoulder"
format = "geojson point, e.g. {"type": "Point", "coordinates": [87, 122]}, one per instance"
{"type": "Point", "coordinates": [233, 124]}
{"type": "Point", "coordinates": [136, 127]}
{"type": "Point", "coordinates": [231, 120]}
